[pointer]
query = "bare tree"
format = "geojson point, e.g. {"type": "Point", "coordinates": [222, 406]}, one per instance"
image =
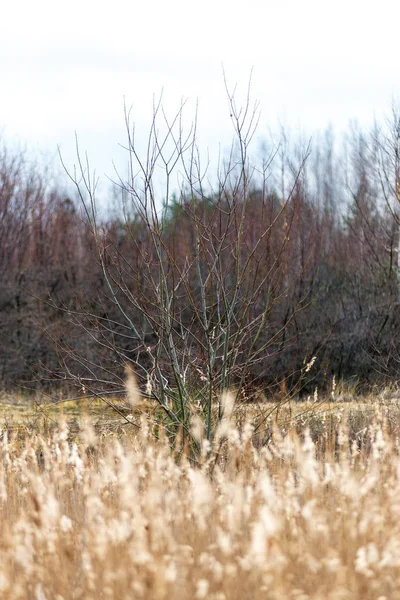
{"type": "Point", "coordinates": [200, 291]}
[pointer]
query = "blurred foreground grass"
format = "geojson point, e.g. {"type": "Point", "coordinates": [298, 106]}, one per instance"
{"type": "Point", "coordinates": [307, 506]}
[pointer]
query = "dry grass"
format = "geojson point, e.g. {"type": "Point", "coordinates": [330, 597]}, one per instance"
{"type": "Point", "coordinates": [313, 514]}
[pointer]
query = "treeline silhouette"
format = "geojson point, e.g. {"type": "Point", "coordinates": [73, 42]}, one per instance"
{"type": "Point", "coordinates": [311, 252]}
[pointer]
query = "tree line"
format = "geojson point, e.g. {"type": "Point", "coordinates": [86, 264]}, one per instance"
{"type": "Point", "coordinates": [283, 273]}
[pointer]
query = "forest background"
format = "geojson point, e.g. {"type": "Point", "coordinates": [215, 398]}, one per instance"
{"type": "Point", "coordinates": [305, 237]}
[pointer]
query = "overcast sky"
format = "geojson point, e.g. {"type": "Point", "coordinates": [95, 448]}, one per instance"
{"type": "Point", "coordinates": [66, 67]}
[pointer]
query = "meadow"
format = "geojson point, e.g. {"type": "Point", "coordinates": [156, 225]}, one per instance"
{"type": "Point", "coordinates": [271, 273]}
{"type": "Point", "coordinates": [306, 507]}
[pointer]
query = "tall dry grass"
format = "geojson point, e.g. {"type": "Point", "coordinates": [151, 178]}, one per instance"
{"type": "Point", "coordinates": [313, 514]}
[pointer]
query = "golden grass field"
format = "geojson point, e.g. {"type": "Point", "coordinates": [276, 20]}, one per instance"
{"type": "Point", "coordinates": [307, 508]}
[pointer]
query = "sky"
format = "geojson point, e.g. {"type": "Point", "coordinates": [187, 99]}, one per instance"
{"type": "Point", "coordinates": [67, 69]}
